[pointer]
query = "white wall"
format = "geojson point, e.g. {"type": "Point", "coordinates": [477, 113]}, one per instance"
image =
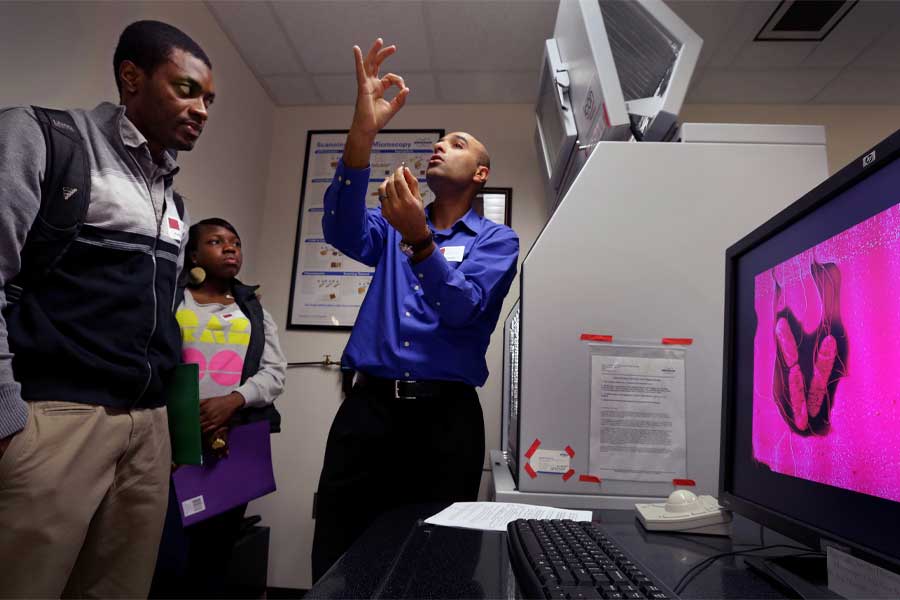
{"type": "Point", "coordinates": [60, 55]}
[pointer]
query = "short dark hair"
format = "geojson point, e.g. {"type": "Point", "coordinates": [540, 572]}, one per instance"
{"type": "Point", "coordinates": [194, 232]}
{"type": "Point", "coordinates": [148, 44]}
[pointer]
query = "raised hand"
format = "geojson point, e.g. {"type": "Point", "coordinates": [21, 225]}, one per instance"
{"type": "Point", "coordinates": [373, 110]}
{"type": "Point", "coordinates": [402, 205]}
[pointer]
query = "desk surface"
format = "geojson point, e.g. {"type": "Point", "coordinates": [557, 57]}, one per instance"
{"type": "Point", "coordinates": [398, 557]}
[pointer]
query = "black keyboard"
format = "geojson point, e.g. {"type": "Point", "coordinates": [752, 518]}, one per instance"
{"type": "Point", "coordinates": [574, 559]}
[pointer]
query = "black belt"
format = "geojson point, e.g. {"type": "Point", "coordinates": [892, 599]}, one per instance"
{"type": "Point", "coordinates": [407, 389]}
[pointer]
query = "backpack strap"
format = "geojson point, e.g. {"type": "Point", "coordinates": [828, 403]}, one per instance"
{"type": "Point", "coordinates": [177, 198]}
{"type": "Point", "coordinates": [65, 195]}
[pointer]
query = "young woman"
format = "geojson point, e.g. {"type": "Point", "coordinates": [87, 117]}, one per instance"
{"type": "Point", "coordinates": [226, 331]}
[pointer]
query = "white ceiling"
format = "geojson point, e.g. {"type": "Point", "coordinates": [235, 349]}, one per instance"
{"type": "Point", "coordinates": [488, 51]}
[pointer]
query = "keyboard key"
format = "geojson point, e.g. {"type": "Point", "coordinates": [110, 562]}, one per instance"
{"type": "Point", "coordinates": [581, 575]}
{"type": "Point", "coordinates": [616, 576]}
{"type": "Point", "coordinates": [565, 576]}
{"type": "Point", "coordinates": [547, 574]}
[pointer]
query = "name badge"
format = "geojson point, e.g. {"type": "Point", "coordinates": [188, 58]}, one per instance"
{"type": "Point", "coordinates": [236, 314]}
{"type": "Point", "coordinates": [175, 228]}
{"type": "Point", "coordinates": [453, 253]}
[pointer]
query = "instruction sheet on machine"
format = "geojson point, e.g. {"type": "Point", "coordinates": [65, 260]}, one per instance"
{"type": "Point", "coordinates": [638, 415]}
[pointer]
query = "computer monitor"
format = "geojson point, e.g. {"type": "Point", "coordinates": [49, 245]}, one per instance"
{"type": "Point", "coordinates": [613, 71]}
{"type": "Point", "coordinates": [811, 395]}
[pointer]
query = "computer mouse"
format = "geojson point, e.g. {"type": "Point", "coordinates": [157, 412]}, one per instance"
{"type": "Point", "coordinates": [681, 501]}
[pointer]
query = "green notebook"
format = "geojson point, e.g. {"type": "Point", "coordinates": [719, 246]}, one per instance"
{"type": "Point", "coordinates": [183, 404]}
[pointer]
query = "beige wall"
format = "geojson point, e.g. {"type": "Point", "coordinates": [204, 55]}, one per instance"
{"type": "Point", "coordinates": [60, 55]}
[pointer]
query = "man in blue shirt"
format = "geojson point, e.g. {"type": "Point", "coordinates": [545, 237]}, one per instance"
{"type": "Point", "coordinates": [411, 430]}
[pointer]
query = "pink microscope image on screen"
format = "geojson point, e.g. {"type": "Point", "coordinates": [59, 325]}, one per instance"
{"type": "Point", "coordinates": [826, 397]}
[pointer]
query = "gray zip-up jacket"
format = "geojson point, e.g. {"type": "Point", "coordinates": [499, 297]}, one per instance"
{"type": "Point", "coordinates": [99, 328]}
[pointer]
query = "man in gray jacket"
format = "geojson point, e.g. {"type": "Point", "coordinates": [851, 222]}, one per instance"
{"type": "Point", "coordinates": [86, 348]}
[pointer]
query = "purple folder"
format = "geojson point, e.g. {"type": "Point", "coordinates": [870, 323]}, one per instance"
{"type": "Point", "coordinates": [221, 484]}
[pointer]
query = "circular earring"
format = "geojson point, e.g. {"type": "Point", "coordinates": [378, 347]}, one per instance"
{"type": "Point", "coordinates": [197, 275]}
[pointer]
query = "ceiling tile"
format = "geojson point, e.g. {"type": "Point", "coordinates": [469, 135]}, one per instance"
{"type": "Point", "coordinates": [487, 88]}
{"type": "Point", "coordinates": [288, 90]}
{"type": "Point", "coordinates": [710, 19]}
{"type": "Point", "coordinates": [864, 24]}
{"type": "Point", "coordinates": [862, 86]}
{"type": "Point", "coordinates": [341, 89]}
{"type": "Point", "coordinates": [258, 36]}
{"type": "Point", "coordinates": [765, 55]}
{"type": "Point", "coordinates": [884, 53]}
{"type": "Point", "coordinates": [324, 32]}
{"type": "Point", "coordinates": [750, 20]}
{"type": "Point", "coordinates": [730, 86]}
{"type": "Point", "coordinates": [489, 35]}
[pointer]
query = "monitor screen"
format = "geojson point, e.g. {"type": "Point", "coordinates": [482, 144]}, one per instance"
{"type": "Point", "coordinates": [812, 400]}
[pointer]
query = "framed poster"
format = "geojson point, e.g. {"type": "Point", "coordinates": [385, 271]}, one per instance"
{"type": "Point", "coordinates": [327, 287]}
{"type": "Point", "coordinates": [495, 204]}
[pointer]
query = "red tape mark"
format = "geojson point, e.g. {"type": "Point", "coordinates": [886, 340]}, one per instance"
{"type": "Point", "coordinates": [605, 115]}
{"type": "Point", "coordinates": [570, 452]}
{"type": "Point", "coordinates": [677, 341]}
{"type": "Point", "coordinates": [593, 337]}
{"type": "Point", "coordinates": [589, 478]}
{"type": "Point", "coordinates": [534, 446]}
{"type": "Point", "coordinates": [568, 474]}
{"type": "Point", "coordinates": [530, 471]}
{"type": "Point", "coordinates": [684, 482]}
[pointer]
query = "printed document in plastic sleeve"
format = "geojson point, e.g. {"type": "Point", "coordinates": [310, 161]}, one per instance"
{"type": "Point", "coordinates": [638, 415]}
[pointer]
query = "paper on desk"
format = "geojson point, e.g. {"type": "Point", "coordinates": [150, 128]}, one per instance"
{"type": "Point", "coordinates": [494, 516]}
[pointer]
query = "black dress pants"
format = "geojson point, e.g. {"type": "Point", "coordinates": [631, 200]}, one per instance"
{"type": "Point", "coordinates": [383, 452]}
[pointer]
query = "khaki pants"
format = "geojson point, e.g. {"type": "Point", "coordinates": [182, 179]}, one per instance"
{"type": "Point", "coordinates": [83, 494]}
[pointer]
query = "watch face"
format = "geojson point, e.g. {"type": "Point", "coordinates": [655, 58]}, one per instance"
{"type": "Point", "coordinates": [406, 249]}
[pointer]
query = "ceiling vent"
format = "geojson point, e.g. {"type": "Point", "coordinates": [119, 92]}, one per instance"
{"type": "Point", "coordinates": [804, 20]}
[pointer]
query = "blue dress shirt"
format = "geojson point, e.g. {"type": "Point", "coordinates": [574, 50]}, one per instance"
{"type": "Point", "coordinates": [427, 321]}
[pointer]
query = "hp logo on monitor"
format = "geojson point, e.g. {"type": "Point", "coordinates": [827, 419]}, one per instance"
{"type": "Point", "coordinates": [868, 159]}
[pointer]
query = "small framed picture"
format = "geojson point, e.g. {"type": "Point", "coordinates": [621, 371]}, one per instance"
{"type": "Point", "coordinates": [495, 204]}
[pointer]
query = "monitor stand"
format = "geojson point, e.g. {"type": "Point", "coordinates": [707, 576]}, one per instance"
{"type": "Point", "coordinates": [798, 576]}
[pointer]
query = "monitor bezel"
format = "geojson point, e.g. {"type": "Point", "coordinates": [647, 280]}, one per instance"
{"type": "Point", "coordinates": [861, 168]}
{"type": "Point", "coordinates": [555, 166]}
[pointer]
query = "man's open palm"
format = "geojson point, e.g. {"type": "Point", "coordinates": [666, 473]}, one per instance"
{"type": "Point", "coordinates": [373, 110]}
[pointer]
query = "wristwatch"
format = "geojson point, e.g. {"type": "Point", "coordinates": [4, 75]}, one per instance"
{"type": "Point", "coordinates": [411, 248]}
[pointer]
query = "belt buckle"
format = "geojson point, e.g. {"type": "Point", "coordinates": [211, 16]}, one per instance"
{"type": "Point", "coordinates": [397, 395]}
